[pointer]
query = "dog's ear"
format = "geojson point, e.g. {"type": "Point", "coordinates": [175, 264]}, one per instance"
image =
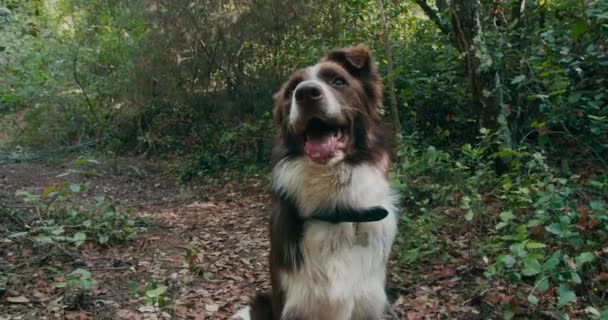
{"type": "Point", "coordinates": [359, 62]}
{"type": "Point", "coordinates": [355, 60]}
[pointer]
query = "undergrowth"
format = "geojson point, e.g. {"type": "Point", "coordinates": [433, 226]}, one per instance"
{"type": "Point", "coordinates": [50, 229]}
{"type": "Point", "coordinates": [61, 217]}
{"type": "Point", "coordinates": [537, 230]}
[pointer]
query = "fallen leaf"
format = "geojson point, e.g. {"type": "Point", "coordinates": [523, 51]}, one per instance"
{"type": "Point", "coordinates": [212, 307]}
{"type": "Point", "coordinates": [582, 220]}
{"type": "Point", "coordinates": [198, 316]}
{"type": "Point", "coordinates": [18, 299]}
{"type": "Point", "coordinates": [413, 316]}
{"type": "Point", "coordinates": [41, 297]}
{"type": "Point", "coordinates": [146, 309]}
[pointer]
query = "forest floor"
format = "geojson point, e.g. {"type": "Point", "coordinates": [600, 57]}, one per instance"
{"type": "Point", "coordinates": [226, 218]}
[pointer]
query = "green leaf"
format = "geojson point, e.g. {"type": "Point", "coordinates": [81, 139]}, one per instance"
{"type": "Point", "coordinates": [556, 229]}
{"type": "Point", "coordinates": [543, 139]}
{"type": "Point", "coordinates": [518, 79]}
{"type": "Point", "coordinates": [157, 292]}
{"type": "Point", "coordinates": [86, 284]}
{"type": "Point", "coordinates": [469, 215]}
{"type": "Point", "coordinates": [564, 295]}
{"type": "Point", "coordinates": [508, 313]}
{"type": "Point", "coordinates": [17, 234]}
{"type": "Point", "coordinates": [61, 284]}
{"type": "Point", "coordinates": [532, 299]}
{"type": "Point", "coordinates": [579, 28]}
{"type": "Point", "coordinates": [542, 284]}
{"type": "Point", "coordinates": [56, 231]}
{"type": "Point", "coordinates": [535, 245]}
{"type": "Point", "coordinates": [531, 267]}
{"type": "Point", "coordinates": [583, 258]}
{"type": "Point", "coordinates": [82, 273]}
{"type": "Point", "coordinates": [593, 311]}
{"type": "Point", "coordinates": [100, 199]}
{"type": "Point", "coordinates": [514, 277]}
{"type": "Point", "coordinates": [104, 238]}
{"type": "Point", "coordinates": [572, 276]}
{"type": "Point", "coordinates": [79, 238]}
{"type": "Point", "coordinates": [574, 98]}
{"type": "Point", "coordinates": [506, 216]}
{"type": "Point", "coordinates": [465, 202]}
{"type": "Point", "coordinates": [500, 225]}
{"type": "Point", "coordinates": [595, 205]}
{"type": "Point", "coordinates": [56, 270]}
{"type": "Point", "coordinates": [75, 187]}
{"type": "Point", "coordinates": [509, 261]}
{"type": "Point", "coordinates": [132, 288]}
{"type": "Point", "coordinates": [48, 190]}
{"type": "Point", "coordinates": [518, 249]}
{"type": "Point", "coordinates": [44, 239]}
{"type": "Point", "coordinates": [552, 262]}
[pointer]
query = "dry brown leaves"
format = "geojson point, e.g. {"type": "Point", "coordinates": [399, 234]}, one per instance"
{"type": "Point", "coordinates": [227, 221]}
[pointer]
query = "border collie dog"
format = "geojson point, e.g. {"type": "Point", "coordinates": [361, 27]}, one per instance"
{"type": "Point", "coordinates": [334, 218]}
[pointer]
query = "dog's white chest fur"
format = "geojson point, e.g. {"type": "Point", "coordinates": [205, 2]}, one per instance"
{"type": "Point", "coordinates": [344, 267]}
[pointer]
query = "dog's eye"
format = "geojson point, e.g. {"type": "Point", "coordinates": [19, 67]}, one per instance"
{"type": "Point", "coordinates": [339, 81]}
{"type": "Point", "coordinates": [289, 93]}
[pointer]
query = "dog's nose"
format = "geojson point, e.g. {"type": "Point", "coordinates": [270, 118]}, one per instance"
{"type": "Point", "coordinates": [309, 92]}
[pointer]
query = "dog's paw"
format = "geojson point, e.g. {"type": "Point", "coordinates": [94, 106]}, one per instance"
{"type": "Point", "coordinates": [243, 314]}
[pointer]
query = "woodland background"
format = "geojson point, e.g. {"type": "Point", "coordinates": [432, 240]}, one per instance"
{"type": "Point", "coordinates": [500, 108]}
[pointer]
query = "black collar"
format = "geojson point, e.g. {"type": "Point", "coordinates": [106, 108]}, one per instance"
{"type": "Point", "coordinates": [339, 215]}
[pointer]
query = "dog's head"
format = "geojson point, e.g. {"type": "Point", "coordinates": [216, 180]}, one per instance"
{"type": "Point", "coordinates": [330, 112]}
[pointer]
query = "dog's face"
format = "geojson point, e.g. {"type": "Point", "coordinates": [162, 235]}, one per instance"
{"type": "Point", "coordinates": [329, 112]}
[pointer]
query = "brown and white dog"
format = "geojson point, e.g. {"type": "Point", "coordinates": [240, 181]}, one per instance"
{"type": "Point", "coordinates": [334, 218]}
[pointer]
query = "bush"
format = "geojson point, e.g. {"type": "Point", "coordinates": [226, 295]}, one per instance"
{"type": "Point", "coordinates": [542, 234]}
{"type": "Point", "coordinates": [62, 217]}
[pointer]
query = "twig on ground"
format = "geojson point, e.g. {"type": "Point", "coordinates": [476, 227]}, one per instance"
{"type": "Point", "coordinates": [157, 203]}
{"type": "Point", "coordinates": [15, 219]}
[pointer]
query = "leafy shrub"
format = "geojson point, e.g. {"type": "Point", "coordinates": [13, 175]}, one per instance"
{"type": "Point", "coordinates": [543, 234]}
{"type": "Point", "coordinates": [550, 235]}
{"type": "Point", "coordinates": [63, 217]}
{"type": "Point", "coordinates": [155, 295]}
{"type": "Point", "coordinates": [151, 293]}
{"type": "Point", "coordinates": [78, 278]}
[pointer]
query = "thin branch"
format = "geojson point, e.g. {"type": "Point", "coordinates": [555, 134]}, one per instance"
{"type": "Point", "coordinates": [432, 14]}
{"type": "Point", "coordinates": [210, 57]}
{"type": "Point", "coordinates": [15, 219]}
{"type": "Point", "coordinates": [84, 92]}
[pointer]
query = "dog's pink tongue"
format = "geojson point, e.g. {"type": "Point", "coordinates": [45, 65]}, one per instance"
{"type": "Point", "coordinates": [320, 148]}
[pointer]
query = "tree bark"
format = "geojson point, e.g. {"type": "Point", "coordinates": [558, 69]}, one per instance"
{"type": "Point", "coordinates": [482, 71]}
{"type": "Point", "coordinates": [480, 67]}
{"type": "Point", "coordinates": [389, 68]}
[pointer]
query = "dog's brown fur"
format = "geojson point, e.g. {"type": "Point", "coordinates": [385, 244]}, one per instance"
{"type": "Point", "coordinates": [360, 104]}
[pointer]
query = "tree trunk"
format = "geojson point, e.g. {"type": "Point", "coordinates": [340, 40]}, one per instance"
{"type": "Point", "coordinates": [483, 75]}
{"type": "Point", "coordinates": [486, 95]}
{"type": "Point", "coordinates": [389, 68]}
{"type": "Point", "coordinates": [480, 66]}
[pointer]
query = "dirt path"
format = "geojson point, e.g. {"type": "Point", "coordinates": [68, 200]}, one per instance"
{"type": "Point", "coordinates": [224, 218]}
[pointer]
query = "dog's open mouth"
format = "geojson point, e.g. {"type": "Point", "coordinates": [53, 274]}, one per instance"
{"type": "Point", "coordinates": [322, 140]}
